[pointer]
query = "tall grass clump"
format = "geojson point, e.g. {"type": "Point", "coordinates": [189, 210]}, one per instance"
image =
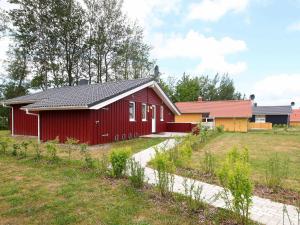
{"type": "Point", "coordinates": [72, 145]}
{"type": "Point", "coordinates": [24, 148]}
{"type": "Point", "coordinates": [87, 158]}
{"type": "Point", "coordinates": [37, 151]}
{"type": "Point", "coordinates": [52, 150]}
{"type": "Point", "coordinates": [164, 167]}
{"type": "Point", "coordinates": [118, 159]}
{"type": "Point", "coordinates": [234, 176]}
{"type": "Point", "coordinates": [4, 143]}
{"type": "Point", "coordinates": [136, 174]}
{"type": "Point", "coordinates": [276, 171]}
{"type": "Point", "coordinates": [15, 149]}
{"type": "Point", "coordinates": [193, 194]}
{"type": "Point", "coordinates": [209, 163]}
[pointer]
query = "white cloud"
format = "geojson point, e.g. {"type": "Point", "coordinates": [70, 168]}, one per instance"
{"type": "Point", "coordinates": [279, 89]}
{"type": "Point", "coordinates": [210, 51]}
{"type": "Point", "coordinates": [147, 12]}
{"type": "Point", "coordinates": [213, 10]}
{"type": "Point", "coordinates": [294, 27]}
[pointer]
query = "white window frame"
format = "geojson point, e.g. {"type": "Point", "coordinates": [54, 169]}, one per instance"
{"type": "Point", "coordinates": [144, 107]}
{"type": "Point", "coordinates": [260, 119]}
{"type": "Point", "coordinates": [132, 119]}
{"type": "Point", "coordinates": [161, 113]}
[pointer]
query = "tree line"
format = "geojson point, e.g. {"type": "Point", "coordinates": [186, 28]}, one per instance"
{"type": "Point", "coordinates": [59, 42]}
{"type": "Point", "coordinates": [189, 88]}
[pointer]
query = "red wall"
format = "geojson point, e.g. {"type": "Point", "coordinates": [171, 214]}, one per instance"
{"type": "Point", "coordinates": [64, 124]}
{"type": "Point", "coordinates": [103, 125]}
{"type": "Point", "coordinates": [24, 124]}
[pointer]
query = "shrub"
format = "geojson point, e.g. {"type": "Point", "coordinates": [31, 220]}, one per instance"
{"type": "Point", "coordinates": [52, 150]}
{"type": "Point", "coordinates": [164, 167]}
{"type": "Point", "coordinates": [24, 148]}
{"type": "Point", "coordinates": [193, 194]}
{"type": "Point", "coordinates": [71, 145]}
{"type": "Point", "coordinates": [235, 177]}
{"type": "Point", "coordinates": [220, 129]}
{"type": "Point", "coordinates": [89, 162]}
{"type": "Point", "coordinates": [118, 159]}
{"type": "Point", "coordinates": [37, 151]}
{"type": "Point", "coordinates": [16, 148]}
{"type": "Point", "coordinates": [4, 144]}
{"type": "Point", "coordinates": [209, 163]}
{"type": "Point", "coordinates": [276, 171]}
{"type": "Point", "coordinates": [137, 174]}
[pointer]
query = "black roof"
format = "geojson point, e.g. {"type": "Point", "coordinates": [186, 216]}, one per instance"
{"type": "Point", "coordinates": [271, 110]}
{"type": "Point", "coordinates": [82, 96]}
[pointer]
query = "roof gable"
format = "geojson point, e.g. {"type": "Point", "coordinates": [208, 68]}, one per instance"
{"type": "Point", "coordinates": [229, 108]}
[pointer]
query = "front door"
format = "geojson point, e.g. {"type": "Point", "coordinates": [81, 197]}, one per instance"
{"type": "Point", "coordinates": [153, 118]}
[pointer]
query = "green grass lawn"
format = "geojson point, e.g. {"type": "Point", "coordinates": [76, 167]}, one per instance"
{"type": "Point", "coordinates": [97, 151]}
{"type": "Point", "coordinates": [261, 145]}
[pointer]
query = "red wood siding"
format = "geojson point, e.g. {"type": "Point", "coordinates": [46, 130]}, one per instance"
{"type": "Point", "coordinates": [112, 122]}
{"type": "Point", "coordinates": [106, 124]}
{"type": "Point", "coordinates": [24, 124]}
{"type": "Point", "coordinates": [65, 124]}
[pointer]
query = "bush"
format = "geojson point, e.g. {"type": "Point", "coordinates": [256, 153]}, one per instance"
{"type": "Point", "coordinates": [118, 159]}
{"type": "Point", "coordinates": [276, 170]}
{"type": "Point", "coordinates": [37, 150]}
{"type": "Point", "coordinates": [4, 144]}
{"type": "Point", "coordinates": [209, 163]}
{"type": "Point", "coordinates": [235, 178]}
{"type": "Point", "coordinates": [24, 148]}
{"type": "Point", "coordinates": [137, 174]}
{"type": "Point", "coordinates": [71, 145]}
{"type": "Point", "coordinates": [52, 150]}
{"type": "Point", "coordinates": [164, 167]}
{"type": "Point", "coordinates": [89, 162]}
{"type": "Point", "coordinates": [220, 129]}
{"type": "Point", "coordinates": [15, 151]}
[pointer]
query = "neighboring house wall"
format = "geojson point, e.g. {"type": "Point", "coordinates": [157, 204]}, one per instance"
{"type": "Point", "coordinates": [233, 124]}
{"type": "Point", "coordinates": [188, 117]}
{"type": "Point", "coordinates": [277, 119]}
{"type": "Point", "coordinates": [106, 124]}
{"type": "Point", "coordinates": [295, 124]}
{"type": "Point", "coordinates": [24, 124]}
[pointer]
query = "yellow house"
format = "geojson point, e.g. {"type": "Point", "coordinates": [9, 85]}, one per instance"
{"type": "Point", "coordinates": [233, 115]}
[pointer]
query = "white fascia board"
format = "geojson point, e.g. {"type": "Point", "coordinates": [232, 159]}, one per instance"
{"type": "Point", "coordinates": [112, 100]}
{"type": "Point", "coordinates": [152, 84]}
{"type": "Point", "coordinates": [165, 98]}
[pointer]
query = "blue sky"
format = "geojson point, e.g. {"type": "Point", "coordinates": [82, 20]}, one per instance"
{"type": "Point", "coordinates": [257, 42]}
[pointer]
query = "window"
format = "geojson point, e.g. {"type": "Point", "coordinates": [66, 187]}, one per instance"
{"type": "Point", "coordinates": [131, 111]}
{"type": "Point", "coordinates": [144, 112]}
{"type": "Point", "coordinates": [161, 113]}
{"type": "Point", "coordinates": [260, 119]}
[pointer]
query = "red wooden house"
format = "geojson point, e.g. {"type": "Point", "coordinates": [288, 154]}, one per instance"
{"type": "Point", "coordinates": [94, 114]}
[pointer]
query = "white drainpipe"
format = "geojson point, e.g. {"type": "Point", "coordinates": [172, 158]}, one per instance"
{"type": "Point", "coordinates": [38, 117]}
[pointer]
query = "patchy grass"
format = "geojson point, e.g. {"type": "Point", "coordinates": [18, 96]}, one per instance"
{"type": "Point", "coordinates": [97, 151]}
{"type": "Point", "coordinates": [33, 193]}
{"type": "Point", "coordinates": [261, 146]}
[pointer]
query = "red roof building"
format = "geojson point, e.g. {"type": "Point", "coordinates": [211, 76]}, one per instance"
{"type": "Point", "coordinates": [295, 117]}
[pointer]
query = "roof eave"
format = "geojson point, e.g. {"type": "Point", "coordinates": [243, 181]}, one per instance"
{"type": "Point", "coordinates": [55, 108]}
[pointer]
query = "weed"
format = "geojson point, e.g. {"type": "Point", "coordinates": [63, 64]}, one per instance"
{"type": "Point", "coordinates": [37, 151]}
{"type": "Point", "coordinates": [193, 194]}
{"type": "Point", "coordinates": [136, 174]}
{"type": "Point", "coordinates": [24, 148]}
{"type": "Point", "coordinates": [89, 162]}
{"type": "Point", "coordinates": [276, 170]}
{"type": "Point", "coordinates": [52, 150]}
{"type": "Point", "coordinates": [209, 163]}
{"type": "Point", "coordinates": [16, 149]}
{"type": "Point", "coordinates": [4, 142]}
{"type": "Point", "coordinates": [71, 146]}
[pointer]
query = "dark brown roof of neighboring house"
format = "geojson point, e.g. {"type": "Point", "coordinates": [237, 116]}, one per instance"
{"type": "Point", "coordinates": [222, 109]}
{"type": "Point", "coordinates": [272, 110]}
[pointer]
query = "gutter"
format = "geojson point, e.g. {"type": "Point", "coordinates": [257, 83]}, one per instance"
{"type": "Point", "coordinates": [55, 108]}
{"type": "Point", "coordinates": [38, 116]}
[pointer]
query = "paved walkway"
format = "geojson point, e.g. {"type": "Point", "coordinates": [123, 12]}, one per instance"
{"type": "Point", "coordinates": [263, 210]}
{"type": "Point", "coordinates": [165, 135]}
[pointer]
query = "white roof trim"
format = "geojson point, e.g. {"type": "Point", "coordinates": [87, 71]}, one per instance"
{"type": "Point", "coordinates": [155, 87]}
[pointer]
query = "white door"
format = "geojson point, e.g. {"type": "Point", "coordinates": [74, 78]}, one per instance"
{"type": "Point", "coordinates": [153, 118]}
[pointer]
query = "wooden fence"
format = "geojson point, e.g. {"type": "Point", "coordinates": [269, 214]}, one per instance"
{"type": "Point", "coordinates": [260, 126]}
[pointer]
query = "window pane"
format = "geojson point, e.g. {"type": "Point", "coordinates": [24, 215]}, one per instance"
{"type": "Point", "coordinates": [144, 112]}
{"type": "Point", "coordinates": [131, 111]}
